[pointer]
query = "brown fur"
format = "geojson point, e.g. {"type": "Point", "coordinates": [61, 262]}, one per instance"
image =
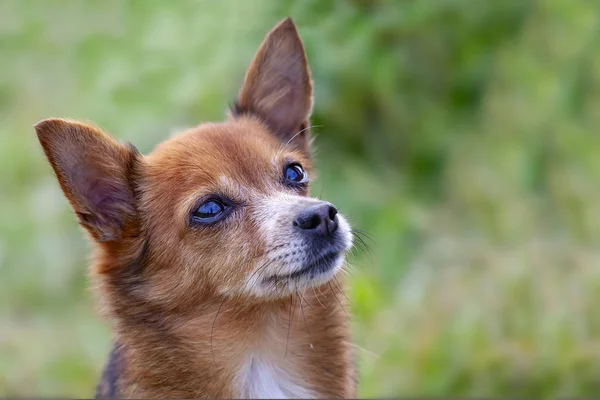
{"type": "Point", "coordinates": [175, 293]}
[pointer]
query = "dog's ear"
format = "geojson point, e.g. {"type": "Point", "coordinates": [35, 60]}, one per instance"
{"type": "Point", "coordinates": [94, 172]}
{"type": "Point", "coordinates": [278, 87]}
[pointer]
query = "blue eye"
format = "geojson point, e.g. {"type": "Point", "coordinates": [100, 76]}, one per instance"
{"type": "Point", "coordinates": [210, 211]}
{"type": "Point", "coordinates": [295, 174]}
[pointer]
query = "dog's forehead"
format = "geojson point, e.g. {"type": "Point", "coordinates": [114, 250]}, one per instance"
{"type": "Point", "coordinates": [238, 151]}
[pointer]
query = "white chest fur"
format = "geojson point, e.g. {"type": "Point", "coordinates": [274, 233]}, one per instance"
{"type": "Point", "coordinates": [260, 378]}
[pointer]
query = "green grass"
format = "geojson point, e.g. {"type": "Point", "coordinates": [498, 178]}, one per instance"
{"type": "Point", "coordinates": [463, 136]}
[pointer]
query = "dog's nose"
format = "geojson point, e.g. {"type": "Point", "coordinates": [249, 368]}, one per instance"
{"type": "Point", "coordinates": [320, 218]}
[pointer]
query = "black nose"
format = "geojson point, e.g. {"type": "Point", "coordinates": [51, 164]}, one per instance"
{"type": "Point", "coordinates": [320, 218]}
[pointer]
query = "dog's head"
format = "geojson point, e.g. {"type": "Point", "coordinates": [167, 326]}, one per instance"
{"type": "Point", "coordinates": [222, 208]}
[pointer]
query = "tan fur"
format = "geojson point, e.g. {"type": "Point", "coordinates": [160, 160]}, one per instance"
{"type": "Point", "coordinates": [178, 296]}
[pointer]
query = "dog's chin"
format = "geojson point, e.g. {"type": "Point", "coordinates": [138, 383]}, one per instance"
{"type": "Point", "coordinates": [315, 272]}
{"type": "Point", "coordinates": [324, 274]}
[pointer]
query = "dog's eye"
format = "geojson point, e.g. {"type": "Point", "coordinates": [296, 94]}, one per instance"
{"type": "Point", "coordinates": [210, 211]}
{"type": "Point", "coordinates": [294, 173]}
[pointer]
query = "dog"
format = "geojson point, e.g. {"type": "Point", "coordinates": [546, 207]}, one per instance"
{"type": "Point", "coordinates": [214, 267]}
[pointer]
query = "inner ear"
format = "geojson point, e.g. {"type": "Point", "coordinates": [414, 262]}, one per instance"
{"type": "Point", "coordinates": [96, 174]}
{"type": "Point", "coordinates": [277, 88]}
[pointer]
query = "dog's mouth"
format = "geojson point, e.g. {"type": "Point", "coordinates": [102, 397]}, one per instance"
{"type": "Point", "coordinates": [316, 267]}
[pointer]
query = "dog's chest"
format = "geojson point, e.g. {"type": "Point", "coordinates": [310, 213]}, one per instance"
{"type": "Point", "coordinates": [262, 378]}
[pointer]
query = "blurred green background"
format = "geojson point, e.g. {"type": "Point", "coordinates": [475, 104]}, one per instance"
{"type": "Point", "coordinates": [462, 135]}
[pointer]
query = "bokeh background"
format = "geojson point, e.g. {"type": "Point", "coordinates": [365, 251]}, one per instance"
{"type": "Point", "coordinates": [462, 135]}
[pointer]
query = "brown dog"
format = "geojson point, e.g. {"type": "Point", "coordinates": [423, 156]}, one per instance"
{"type": "Point", "coordinates": [211, 262]}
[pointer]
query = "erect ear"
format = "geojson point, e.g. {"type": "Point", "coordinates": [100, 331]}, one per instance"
{"type": "Point", "coordinates": [278, 88]}
{"type": "Point", "coordinates": [94, 172]}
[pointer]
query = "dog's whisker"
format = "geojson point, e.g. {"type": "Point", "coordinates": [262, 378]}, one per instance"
{"type": "Point", "coordinates": [354, 251]}
{"type": "Point", "coordinates": [363, 233]}
{"type": "Point", "coordinates": [369, 352]}
{"type": "Point", "coordinates": [302, 309]}
{"type": "Point", "coordinates": [317, 297]}
{"type": "Point", "coordinates": [348, 268]}
{"type": "Point", "coordinates": [307, 303]}
{"type": "Point", "coordinates": [302, 130]}
{"type": "Point", "coordinates": [300, 301]}
{"type": "Point", "coordinates": [212, 330]}
{"type": "Point", "coordinates": [341, 290]}
{"type": "Point", "coordinates": [319, 290]}
{"type": "Point", "coordinates": [361, 244]}
{"type": "Point", "coordinates": [338, 300]}
{"type": "Point", "coordinates": [289, 325]}
{"type": "Point", "coordinates": [261, 268]}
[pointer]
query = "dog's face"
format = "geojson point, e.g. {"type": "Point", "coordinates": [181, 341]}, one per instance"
{"type": "Point", "coordinates": [230, 203]}
{"type": "Point", "coordinates": [222, 208]}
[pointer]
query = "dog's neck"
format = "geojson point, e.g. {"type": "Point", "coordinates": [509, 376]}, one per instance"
{"type": "Point", "coordinates": [297, 347]}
